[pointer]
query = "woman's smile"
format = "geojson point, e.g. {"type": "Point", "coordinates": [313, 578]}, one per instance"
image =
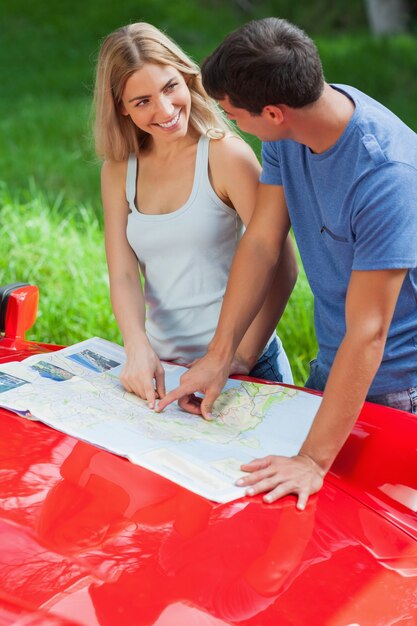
{"type": "Point", "coordinates": [173, 121]}
{"type": "Point", "coordinates": [157, 98]}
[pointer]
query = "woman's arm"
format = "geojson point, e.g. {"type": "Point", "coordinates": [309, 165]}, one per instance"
{"type": "Point", "coordinates": [142, 364]}
{"type": "Point", "coordinates": [235, 173]}
{"type": "Point", "coordinates": [251, 274]}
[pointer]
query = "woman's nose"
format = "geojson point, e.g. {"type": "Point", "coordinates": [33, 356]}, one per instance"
{"type": "Point", "coordinates": [165, 106]}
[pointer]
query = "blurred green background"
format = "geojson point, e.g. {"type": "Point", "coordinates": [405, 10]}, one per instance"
{"type": "Point", "coordinates": [50, 209]}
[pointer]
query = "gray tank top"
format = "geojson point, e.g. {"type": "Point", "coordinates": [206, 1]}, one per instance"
{"type": "Point", "coordinates": [185, 258]}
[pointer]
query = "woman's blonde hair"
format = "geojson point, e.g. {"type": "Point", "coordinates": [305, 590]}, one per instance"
{"type": "Point", "coordinates": [122, 53]}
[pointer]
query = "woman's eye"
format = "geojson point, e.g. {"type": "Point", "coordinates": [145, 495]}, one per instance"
{"type": "Point", "coordinates": [141, 103]}
{"type": "Point", "coordinates": [171, 86]}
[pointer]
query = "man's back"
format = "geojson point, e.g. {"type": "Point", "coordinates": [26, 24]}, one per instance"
{"type": "Point", "coordinates": [352, 207]}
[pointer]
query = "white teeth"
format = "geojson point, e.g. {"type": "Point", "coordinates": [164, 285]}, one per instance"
{"type": "Point", "coordinates": [172, 122]}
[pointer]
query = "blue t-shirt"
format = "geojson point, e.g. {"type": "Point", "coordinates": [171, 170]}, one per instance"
{"type": "Point", "coordinates": [354, 207]}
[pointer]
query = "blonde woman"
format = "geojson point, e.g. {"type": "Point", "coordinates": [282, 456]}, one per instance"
{"type": "Point", "coordinates": [177, 186]}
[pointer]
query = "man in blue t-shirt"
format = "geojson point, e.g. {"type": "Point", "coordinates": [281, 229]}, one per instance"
{"type": "Point", "coordinates": [341, 169]}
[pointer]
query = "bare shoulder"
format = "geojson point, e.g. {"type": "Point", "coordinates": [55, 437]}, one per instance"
{"type": "Point", "coordinates": [234, 173]}
{"type": "Point", "coordinates": [232, 162]}
{"type": "Point", "coordinates": [232, 149]}
{"type": "Point", "coordinates": [113, 188]}
{"type": "Point", "coordinates": [113, 183]}
{"type": "Point", "coordinates": [113, 171]}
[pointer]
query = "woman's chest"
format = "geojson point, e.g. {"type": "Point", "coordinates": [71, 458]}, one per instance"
{"type": "Point", "coordinates": [164, 187]}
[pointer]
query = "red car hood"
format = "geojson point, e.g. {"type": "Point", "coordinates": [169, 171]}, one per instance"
{"type": "Point", "coordinates": [90, 538]}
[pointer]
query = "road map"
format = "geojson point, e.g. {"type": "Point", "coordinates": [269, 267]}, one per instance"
{"type": "Point", "coordinates": [77, 391]}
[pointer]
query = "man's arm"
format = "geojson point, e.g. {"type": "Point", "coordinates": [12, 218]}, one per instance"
{"type": "Point", "coordinates": [252, 271]}
{"type": "Point", "coordinates": [235, 177]}
{"type": "Point", "coordinates": [370, 304]}
{"type": "Point", "coordinates": [265, 322]}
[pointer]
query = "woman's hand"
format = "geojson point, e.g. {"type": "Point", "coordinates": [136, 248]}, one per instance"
{"type": "Point", "coordinates": [143, 374]}
{"type": "Point", "coordinates": [240, 365]}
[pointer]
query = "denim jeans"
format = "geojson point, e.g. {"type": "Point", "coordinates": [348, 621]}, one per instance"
{"type": "Point", "coordinates": [406, 399]}
{"type": "Point", "coordinates": [317, 378]}
{"type": "Point", "coordinates": [273, 364]}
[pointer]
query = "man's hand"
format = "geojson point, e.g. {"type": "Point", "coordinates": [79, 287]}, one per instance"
{"type": "Point", "coordinates": [280, 476]}
{"type": "Point", "coordinates": [208, 377]}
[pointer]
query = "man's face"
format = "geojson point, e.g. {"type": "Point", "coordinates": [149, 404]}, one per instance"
{"type": "Point", "coordinates": [261, 125]}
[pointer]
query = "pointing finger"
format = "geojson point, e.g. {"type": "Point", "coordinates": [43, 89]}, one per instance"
{"type": "Point", "coordinates": [173, 395]}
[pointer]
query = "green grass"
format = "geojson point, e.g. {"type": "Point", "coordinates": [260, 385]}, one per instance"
{"type": "Point", "coordinates": [59, 248]}
{"type": "Point", "coordinates": [48, 51]}
{"type": "Point", "coordinates": [50, 209]}
{"type": "Point", "coordinates": [296, 329]}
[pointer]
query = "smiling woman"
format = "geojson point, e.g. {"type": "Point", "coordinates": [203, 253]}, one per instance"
{"type": "Point", "coordinates": [166, 105]}
{"type": "Point", "coordinates": [175, 203]}
{"type": "Point", "coordinates": [123, 53]}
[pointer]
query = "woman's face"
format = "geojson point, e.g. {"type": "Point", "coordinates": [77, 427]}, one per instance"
{"type": "Point", "coordinates": [158, 101]}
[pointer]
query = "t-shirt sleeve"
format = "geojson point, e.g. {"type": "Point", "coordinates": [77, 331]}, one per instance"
{"type": "Point", "coordinates": [384, 221]}
{"type": "Point", "coordinates": [271, 170]}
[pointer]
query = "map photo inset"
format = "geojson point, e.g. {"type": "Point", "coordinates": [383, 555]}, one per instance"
{"type": "Point", "coordinates": [7, 382]}
{"type": "Point", "coordinates": [48, 370]}
{"type": "Point", "coordinates": [93, 360]}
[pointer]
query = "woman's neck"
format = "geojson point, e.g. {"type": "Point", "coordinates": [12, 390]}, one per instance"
{"type": "Point", "coordinates": [169, 150]}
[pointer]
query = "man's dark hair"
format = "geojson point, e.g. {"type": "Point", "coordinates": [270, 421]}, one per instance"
{"type": "Point", "coordinates": [267, 61]}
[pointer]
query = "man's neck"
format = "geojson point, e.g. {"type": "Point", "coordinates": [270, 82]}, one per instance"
{"type": "Point", "coordinates": [320, 125]}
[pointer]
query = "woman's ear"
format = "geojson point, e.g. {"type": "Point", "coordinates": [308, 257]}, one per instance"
{"type": "Point", "coordinates": [188, 77]}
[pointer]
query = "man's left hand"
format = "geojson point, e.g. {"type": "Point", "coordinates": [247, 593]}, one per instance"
{"type": "Point", "coordinates": [280, 476]}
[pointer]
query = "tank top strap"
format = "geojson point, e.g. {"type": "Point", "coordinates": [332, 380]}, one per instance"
{"type": "Point", "coordinates": [132, 168]}
{"type": "Point", "coordinates": [201, 178]}
{"type": "Point", "coordinates": [202, 162]}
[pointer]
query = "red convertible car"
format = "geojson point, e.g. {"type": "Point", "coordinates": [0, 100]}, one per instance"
{"type": "Point", "coordinates": [86, 537]}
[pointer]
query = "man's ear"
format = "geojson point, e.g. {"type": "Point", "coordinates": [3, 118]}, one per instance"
{"type": "Point", "coordinates": [274, 113]}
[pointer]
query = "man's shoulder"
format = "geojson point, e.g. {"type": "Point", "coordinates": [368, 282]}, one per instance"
{"type": "Point", "coordinates": [357, 96]}
{"type": "Point", "coordinates": [277, 147]}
